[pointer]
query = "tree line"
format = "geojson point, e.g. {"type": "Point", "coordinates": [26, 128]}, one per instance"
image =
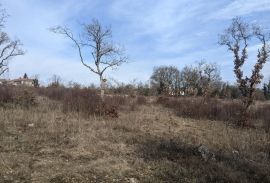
{"type": "Point", "coordinates": [201, 79]}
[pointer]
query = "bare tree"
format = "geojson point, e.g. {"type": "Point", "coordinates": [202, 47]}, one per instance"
{"type": "Point", "coordinates": [166, 80]}
{"type": "Point", "coordinates": [55, 81]}
{"type": "Point", "coordinates": [104, 53]}
{"type": "Point", "coordinates": [236, 38]}
{"type": "Point", "coordinates": [190, 77]}
{"type": "Point", "coordinates": [8, 48]}
{"type": "Point", "coordinates": [209, 77]}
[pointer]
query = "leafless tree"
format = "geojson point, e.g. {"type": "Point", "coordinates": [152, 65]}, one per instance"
{"type": "Point", "coordinates": [236, 38]}
{"type": "Point", "coordinates": [190, 77]}
{"type": "Point", "coordinates": [8, 48]}
{"type": "Point", "coordinates": [104, 53]}
{"type": "Point", "coordinates": [166, 80]}
{"type": "Point", "coordinates": [55, 81]}
{"type": "Point", "coordinates": [200, 79]}
{"type": "Point", "coordinates": [209, 77]}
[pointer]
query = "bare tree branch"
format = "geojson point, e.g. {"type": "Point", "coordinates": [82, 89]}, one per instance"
{"type": "Point", "coordinates": [98, 40]}
{"type": "Point", "coordinates": [8, 48]}
{"type": "Point", "coordinates": [66, 32]}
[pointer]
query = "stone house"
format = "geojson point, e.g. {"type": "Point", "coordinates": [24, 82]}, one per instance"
{"type": "Point", "coordinates": [22, 82]}
{"type": "Point", "coordinates": [25, 81]}
{"type": "Point", "coordinates": [3, 81]}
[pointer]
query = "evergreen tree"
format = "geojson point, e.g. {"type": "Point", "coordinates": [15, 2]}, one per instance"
{"type": "Point", "coordinates": [25, 76]}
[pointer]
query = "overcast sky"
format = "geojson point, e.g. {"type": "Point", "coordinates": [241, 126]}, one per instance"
{"type": "Point", "coordinates": [154, 32]}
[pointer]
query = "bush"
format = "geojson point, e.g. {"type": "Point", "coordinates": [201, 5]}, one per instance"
{"type": "Point", "coordinates": [141, 100]}
{"type": "Point", "coordinates": [84, 101]}
{"type": "Point", "coordinates": [25, 98]}
{"type": "Point", "coordinates": [87, 102]}
{"type": "Point", "coordinates": [17, 95]}
{"type": "Point", "coordinates": [54, 93]}
{"type": "Point", "coordinates": [116, 100]}
{"type": "Point", "coordinates": [214, 109]}
{"type": "Point", "coordinates": [6, 94]}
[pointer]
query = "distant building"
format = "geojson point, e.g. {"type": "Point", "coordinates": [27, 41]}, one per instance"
{"type": "Point", "coordinates": [3, 81]}
{"type": "Point", "coordinates": [25, 81]}
{"type": "Point", "coordinates": [22, 82]}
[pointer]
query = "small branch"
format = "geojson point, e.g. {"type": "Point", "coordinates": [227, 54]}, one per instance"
{"type": "Point", "coordinates": [65, 31]}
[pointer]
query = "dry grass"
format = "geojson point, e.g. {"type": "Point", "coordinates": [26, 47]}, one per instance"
{"type": "Point", "coordinates": [149, 144]}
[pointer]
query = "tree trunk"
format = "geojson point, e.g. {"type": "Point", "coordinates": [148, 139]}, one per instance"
{"type": "Point", "coordinates": [245, 118]}
{"type": "Point", "coordinates": [102, 88]}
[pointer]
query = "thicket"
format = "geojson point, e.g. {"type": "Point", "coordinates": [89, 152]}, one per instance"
{"type": "Point", "coordinates": [18, 96]}
{"type": "Point", "coordinates": [217, 109]}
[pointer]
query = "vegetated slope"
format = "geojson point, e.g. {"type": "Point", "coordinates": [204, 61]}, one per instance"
{"type": "Point", "coordinates": [149, 144]}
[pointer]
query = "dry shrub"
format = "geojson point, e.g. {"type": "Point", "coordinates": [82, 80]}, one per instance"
{"type": "Point", "coordinates": [87, 102]}
{"type": "Point", "coordinates": [54, 93]}
{"type": "Point", "coordinates": [112, 105]}
{"type": "Point", "coordinates": [214, 109]}
{"type": "Point", "coordinates": [22, 96]}
{"type": "Point", "coordinates": [25, 97]}
{"type": "Point", "coordinates": [141, 100]}
{"type": "Point", "coordinates": [164, 101]}
{"type": "Point", "coordinates": [6, 94]}
{"type": "Point", "coordinates": [116, 100]}
{"type": "Point", "coordinates": [109, 110]}
{"type": "Point", "coordinates": [83, 101]}
{"type": "Point", "coordinates": [261, 113]}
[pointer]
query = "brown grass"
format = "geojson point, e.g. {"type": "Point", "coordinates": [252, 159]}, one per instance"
{"type": "Point", "coordinates": [149, 144]}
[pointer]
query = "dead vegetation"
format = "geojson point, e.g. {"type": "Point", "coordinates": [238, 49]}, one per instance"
{"type": "Point", "coordinates": [219, 110]}
{"type": "Point", "coordinates": [145, 143]}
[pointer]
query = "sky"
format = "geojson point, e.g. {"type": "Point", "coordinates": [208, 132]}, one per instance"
{"type": "Point", "coordinates": [153, 32]}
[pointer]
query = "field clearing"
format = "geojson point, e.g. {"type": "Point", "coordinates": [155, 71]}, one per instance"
{"type": "Point", "coordinates": [149, 144]}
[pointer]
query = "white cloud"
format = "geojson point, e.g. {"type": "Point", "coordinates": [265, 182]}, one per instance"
{"type": "Point", "coordinates": [241, 8]}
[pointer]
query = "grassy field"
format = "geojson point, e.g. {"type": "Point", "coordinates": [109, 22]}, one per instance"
{"type": "Point", "coordinates": [147, 144]}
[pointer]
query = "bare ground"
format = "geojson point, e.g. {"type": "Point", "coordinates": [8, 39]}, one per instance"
{"type": "Point", "coordinates": [150, 144]}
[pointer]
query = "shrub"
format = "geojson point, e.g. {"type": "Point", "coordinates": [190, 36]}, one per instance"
{"type": "Point", "coordinates": [84, 101]}
{"type": "Point", "coordinates": [6, 94]}
{"type": "Point", "coordinates": [25, 98]}
{"type": "Point", "coordinates": [54, 93]}
{"type": "Point", "coordinates": [215, 109]}
{"type": "Point", "coordinates": [116, 100]}
{"type": "Point", "coordinates": [17, 95]}
{"type": "Point", "coordinates": [141, 100]}
{"type": "Point", "coordinates": [261, 112]}
{"type": "Point", "coordinates": [87, 102]}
